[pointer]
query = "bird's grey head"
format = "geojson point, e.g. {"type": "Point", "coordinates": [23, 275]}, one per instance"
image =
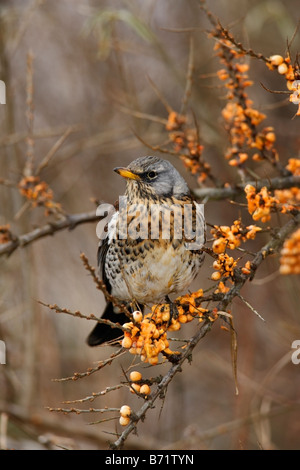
{"type": "Point", "coordinates": [153, 176]}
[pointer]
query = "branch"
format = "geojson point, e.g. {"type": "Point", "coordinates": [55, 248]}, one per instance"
{"type": "Point", "coordinates": [78, 314]}
{"type": "Point", "coordinates": [92, 370]}
{"type": "Point", "coordinates": [102, 286]}
{"type": "Point", "coordinates": [162, 386]}
{"type": "Point", "coordinates": [67, 222]}
{"type": "Point", "coordinates": [230, 192]}
{"type": "Point", "coordinates": [270, 248]}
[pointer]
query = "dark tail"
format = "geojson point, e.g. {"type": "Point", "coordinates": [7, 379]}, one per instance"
{"type": "Point", "coordinates": [103, 333]}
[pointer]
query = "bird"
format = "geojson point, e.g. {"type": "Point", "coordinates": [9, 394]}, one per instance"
{"type": "Point", "coordinates": [142, 266]}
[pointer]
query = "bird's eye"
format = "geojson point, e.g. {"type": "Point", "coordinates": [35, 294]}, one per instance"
{"type": "Point", "coordinates": [151, 175]}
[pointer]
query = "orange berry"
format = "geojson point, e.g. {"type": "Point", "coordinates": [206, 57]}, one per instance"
{"type": "Point", "coordinates": [153, 360]}
{"type": "Point", "coordinates": [133, 351]}
{"type": "Point", "coordinates": [145, 389]}
{"type": "Point", "coordinates": [182, 318]}
{"type": "Point", "coordinates": [135, 376]}
{"type": "Point", "coordinates": [271, 137]}
{"type": "Point", "coordinates": [124, 420]}
{"type": "Point", "coordinates": [125, 411]}
{"type": "Point", "coordinates": [175, 325]}
{"type": "Point", "coordinates": [165, 316]}
{"type": "Point", "coordinates": [135, 388]}
{"type": "Point", "coordinates": [219, 245]}
{"type": "Point", "coordinates": [216, 264]}
{"type": "Point", "coordinates": [126, 342]}
{"type": "Point", "coordinates": [216, 276]}
{"type": "Point", "coordinates": [276, 59]}
{"type": "Point", "coordinates": [282, 68]}
{"type": "Point", "coordinates": [137, 316]}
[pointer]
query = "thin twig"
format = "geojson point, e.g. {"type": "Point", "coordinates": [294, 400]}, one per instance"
{"type": "Point", "coordinates": [66, 222]}
{"type": "Point", "coordinates": [28, 168]}
{"type": "Point", "coordinates": [155, 148]}
{"type": "Point", "coordinates": [78, 314]}
{"type": "Point", "coordinates": [94, 395]}
{"type": "Point", "coordinates": [54, 149]}
{"type": "Point", "coordinates": [80, 411]}
{"type": "Point", "coordinates": [160, 96]}
{"type": "Point", "coordinates": [92, 370]}
{"type": "Point", "coordinates": [101, 286]}
{"type": "Point", "coordinates": [281, 182]}
{"type": "Point", "coordinates": [250, 306]}
{"type": "Point", "coordinates": [189, 78]}
{"type": "Point", "coordinates": [140, 115]}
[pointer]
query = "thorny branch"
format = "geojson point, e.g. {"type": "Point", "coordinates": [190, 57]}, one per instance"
{"type": "Point", "coordinates": [78, 314]}
{"type": "Point", "coordinates": [231, 192]}
{"type": "Point", "coordinates": [163, 385]}
{"type": "Point", "coordinates": [226, 299]}
{"type": "Point", "coordinates": [271, 247]}
{"type": "Point", "coordinates": [71, 221]}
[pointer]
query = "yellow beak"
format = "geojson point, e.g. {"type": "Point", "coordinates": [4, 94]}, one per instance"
{"type": "Point", "coordinates": [126, 173]}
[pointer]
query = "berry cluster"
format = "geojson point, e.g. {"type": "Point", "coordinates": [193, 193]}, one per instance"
{"type": "Point", "coordinates": [38, 193]}
{"type": "Point", "coordinates": [186, 144]}
{"type": "Point", "coordinates": [291, 74]}
{"type": "Point", "coordinates": [147, 335]}
{"type": "Point", "coordinates": [137, 385]}
{"type": "Point", "coordinates": [231, 237]}
{"type": "Point", "coordinates": [260, 203]}
{"type": "Point", "coordinates": [241, 118]}
{"type": "Point", "coordinates": [224, 267]}
{"type": "Point", "coordinates": [290, 198]}
{"type": "Point", "coordinates": [290, 255]}
{"type": "Point", "coordinates": [125, 412]}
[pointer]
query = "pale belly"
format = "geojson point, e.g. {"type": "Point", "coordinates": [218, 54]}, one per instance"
{"type": "Point", "coordinates": [151, 276]}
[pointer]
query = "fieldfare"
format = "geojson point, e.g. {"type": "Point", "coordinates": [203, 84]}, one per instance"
{"type": "Point", "coordinates": [152, 246]}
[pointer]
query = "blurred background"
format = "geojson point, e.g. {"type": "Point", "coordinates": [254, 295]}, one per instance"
{"type": "Point", "coordinates": [94, 61]}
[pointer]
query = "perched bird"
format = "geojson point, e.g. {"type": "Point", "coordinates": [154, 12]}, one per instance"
{"type": "Point", "coordinates": [152, 256]}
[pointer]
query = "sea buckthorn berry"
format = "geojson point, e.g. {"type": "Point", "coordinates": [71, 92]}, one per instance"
{"type": "Point", "coordinates": [145, 389]}
{"type": "Point", "coordinates": [153, 360]}
{"type": "Point", "coordinates": [137, 316]}
{"type": "Point", "coordinates": [270, 136]}
{"type": "Point", "coordinates": [216, 276]}
{"type": "Point", "coordinates": [219, 245]}
{"type": "Point", "coordinates": [126, 342]}
{"type": "Point", "coordinates": [175, 325]}
{"type": "Point", "coordinates": [282, 68]}
{"type": "Point", "coordinates": [124, 420]}
{"type": "Point", "coordinates": [182, 318]}
{"type": "Point", "coordinates": [276, 60]}
{"type": "Point", "coordinates": [135, 388]}
{"type": "Point", "coordinates": [135, 376]}
{"type": "Point", "coordinates": [165, 316]}
{"type": "Point", "coordinates": [290, 255]}
{"type": "Point", "coordinates": [125, 411]}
